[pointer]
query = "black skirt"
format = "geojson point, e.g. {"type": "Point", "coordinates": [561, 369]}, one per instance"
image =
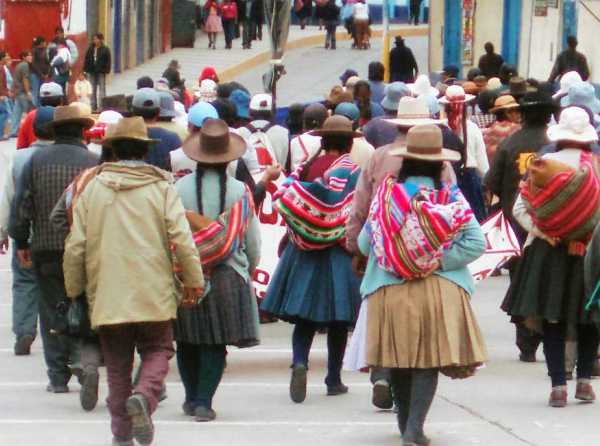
{"type": "Point", "coordinates": [228, 315]}
{"type": "Point", "coordinates": [548, 284]}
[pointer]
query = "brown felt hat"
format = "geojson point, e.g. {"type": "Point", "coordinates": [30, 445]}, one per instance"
{"type": "Point", "coordinates": [129, 129]}
{"type": "Point", "coordinates": [337, 95]}
{"type": "Point", "coordinates": [470, 87]}
{"type": "Point", "coordinates": [72, 114]}
{"type": "Point", "coordinates": [504, 102]}
{"type": "Point", "coordinates": [425, 143]}
{"type": "Point", "coordinates": [519, 87]}
{"type": "Point", "coordinates": [337, 125]}
{"type": "Point", "coordinates": [214, 144]}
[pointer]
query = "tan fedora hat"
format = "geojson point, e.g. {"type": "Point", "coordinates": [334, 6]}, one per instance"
{"type": "Point", "coordinates": [425, 143]}
{"type": "Point", "coordinates": [72, 114]}
{"type": "Point", "coordinates": [413, 111]}
{"type": "Point", "coordinates": [214, 144]}
{"type": "Point", "coordinates": [337, 125]}
{"type": "Point", "coordinates": [337, 95]}
{"type": "Point", "coordinates": [504, 102]}
{"type": "Point", "coordinates": [129, 129]}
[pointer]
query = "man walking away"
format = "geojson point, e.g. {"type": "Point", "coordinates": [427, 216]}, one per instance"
{"type": "Point", "coordinates": [25, 288]}
{"type": "Point", "coordinates": [97, 66]}
{"type": "Point", "coordinates": [21, 92]}
{"type": "Point", "coordinates": [4, 95]}
{"type": "Point", "coordinates": [128, 278]}
{"type": "Point", "coordinates": [490, 62]}
{"type": "Point", "coordinates": [415, 11]}
{"type": "Point", "coordinates": [570, 60]}
{"type": "Point", "coordinates": [331, 16]}
{"type": "Point", "coordinates": [45, 177]}
{"type": "Point", "coordinates": [403, 66]}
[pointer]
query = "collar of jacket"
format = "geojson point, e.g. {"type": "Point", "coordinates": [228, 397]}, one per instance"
{"type": "Point", "coordinates": [70, 141]}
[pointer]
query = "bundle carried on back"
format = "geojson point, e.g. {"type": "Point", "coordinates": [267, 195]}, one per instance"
{"type": "Point", "coordinates": [316, 212]}
{"type": "Point", "coordinates": [564, 202]}
{"type": "Point", "coordinates": [410, 226]}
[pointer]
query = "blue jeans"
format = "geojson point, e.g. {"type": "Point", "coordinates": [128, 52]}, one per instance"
{"type": "Point", "coordinates": [26, 294]}
{"type": "Point", "coordinates": [22, 105]}
{"type": "Point", "coordinates": [337, 337]}
{"type": "Point", "coordinates": [36, 82]}
{"type": "Point", "coordinates": [5, 112]}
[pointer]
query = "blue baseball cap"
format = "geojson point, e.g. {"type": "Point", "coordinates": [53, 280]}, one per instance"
{"type": "Point", "coordinates": [200, 112]}
{"type": "Point", "coordinates": [241, 100]}
{"type": "Point", "coordinates": [43, 116]}
{"type": "Point", "coordinates": [349, 110]}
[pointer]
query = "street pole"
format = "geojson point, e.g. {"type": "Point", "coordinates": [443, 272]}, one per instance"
{"type": "Point", "coordinates": [385, 57]}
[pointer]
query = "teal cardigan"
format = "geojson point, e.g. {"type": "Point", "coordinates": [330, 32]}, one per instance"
{"type": "Point", "coordinates": [245, 260]}
{"type": "Point", "coordinates": [468, 246]}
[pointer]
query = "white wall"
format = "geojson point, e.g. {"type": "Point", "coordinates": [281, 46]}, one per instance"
{"type": "Point", "coordinates": [76, 22]}
{"type": "Point", "coordinates": [436, 39]}
{"type": "Point", "coordinates": [489, 17]}
{"type": "Point", "coordinates": [588, 25]}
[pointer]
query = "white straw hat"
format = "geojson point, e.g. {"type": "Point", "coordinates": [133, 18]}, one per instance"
{"type": "Point", "coordinates": [567, 79]}
{"type": "Point", "coordinates": [456, 94]}
{"type": "Point", "coordinates": [413, 111]}
{"type": "Point", "coordinates": [422, 86]}
{"type": "Point", "coordinates": [574, 125]}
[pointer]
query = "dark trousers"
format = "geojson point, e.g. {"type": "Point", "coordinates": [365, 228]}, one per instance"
{"type": "Point", "coordinates": [26, 294]}
{"type": "Point", "coordinates": [380, 374]}
{"type": "Point", "coordinates": [330, 27]}
{"type": "Point", "coordinates": [415, 9]}
{"type": "Point", "coordinates": [413, 390]}
{"type": "Point", "coordinates": [247, 27]}
{"type": "Point", "coordinates": [154, 342]}
{"type": "Point", "coordinates": [98, 81]}
{"type": "Point", "coordinates": [201, 368]}
{"type": "Point", "coordinates": [337, 337]}
{"type": "Point", "coordinates": [229, 30]}
{"type": "Point", "coordinates": [59, 351]}
{"type": "Point", "coordinates": [554, 348]}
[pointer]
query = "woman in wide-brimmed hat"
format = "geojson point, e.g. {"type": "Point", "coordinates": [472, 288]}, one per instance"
{"type": "Point", "coordinates": [559, 205]}
{"type": "Point", "coordinates": [418, 317]}
{"type": "Point", "coordinates": [475, 163]}
{"type": "Point", "coordinates": [508, 121]}
{"type": "Point", "coordinates": [313, 285]}
{"type": "Point", "coordinates": [221, 214]}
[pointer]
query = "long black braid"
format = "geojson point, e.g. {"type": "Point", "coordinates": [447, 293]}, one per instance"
{"type": "Point", "coordinates": [222, 171]}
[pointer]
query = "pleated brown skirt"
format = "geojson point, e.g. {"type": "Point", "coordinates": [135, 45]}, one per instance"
{"type": "Point", "coordinates": [424, 324]}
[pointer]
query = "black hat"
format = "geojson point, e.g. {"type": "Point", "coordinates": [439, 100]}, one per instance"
{"type": "Point", "coordinates": [537, 99]}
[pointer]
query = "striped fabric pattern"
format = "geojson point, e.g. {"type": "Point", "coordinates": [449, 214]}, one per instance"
{"type": "Point", "coordinates": [316, 212]}
{"type": "Point", "coordinates": [410, 226]}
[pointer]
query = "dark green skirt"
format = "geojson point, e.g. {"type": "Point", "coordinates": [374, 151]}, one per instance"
{"type": "Point", "coordinates": [548, 284]}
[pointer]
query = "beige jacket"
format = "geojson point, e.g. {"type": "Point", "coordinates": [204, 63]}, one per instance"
{"type": "Point", "coordinates": [118, 251]}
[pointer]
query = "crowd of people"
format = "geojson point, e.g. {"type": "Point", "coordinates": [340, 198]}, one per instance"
{"type": "Point", "coordinates": [139, 229]}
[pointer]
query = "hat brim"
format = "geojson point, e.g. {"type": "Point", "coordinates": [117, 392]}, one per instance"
{"type": "Point", "coordinates": [432, 91]}
{"type": "Point", "coordinates": [468, 98]}
{"type": "Point", "coordinates": [557, 133]}
{"type": "Point", "coordinates": [333, 132]}
{"type": "Point", "coordinates": [504, 107]}
{"type": "Point", "coordinates": [593, 106]}
{"type": "Point", "coordinates": [539, 104]}
{"type": "Point", "coordinates": [400, 122]}
{"type": "Point", "coordinates": [193, 149]}
{"type": "Point", "coordinates": [389, 105]}
{"type": "Point", "coordinates": [167, 114]}
{"type": "Point", "coordinates": [444, 155]}
{"type": "Point", "coordinates": [86, 123]}
{"type": "Point", "coordinates": [108, 142]}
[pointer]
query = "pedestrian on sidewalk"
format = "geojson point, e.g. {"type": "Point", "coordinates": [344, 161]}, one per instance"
{"type": "Point", "coordinates": [25, 287]}
{"type": "Point", "coordinates": [415, 11]}
{"type": "Point", "coordinates": [303, 10]}
{"type": "Point", "coordinates": [45, 176]}
{"type": "Point", "coordinates": [5, 101]}
{"type": "Point", "coordinates": [257, 13]}
{"type": "Point", "coordinates": [40, 67]}
{"type": "Point", "coordinates": [227, 313]}
{"type": "Point", "coordinates": [139, 315]}
{"type": "Point", "coordinates": [230, 16]}
{"type": "Point", "coordinates": [97, 66]}
{"type": "Point", "coordinates": [21, 91]}
{"type": "Point", "coordinates": [419, 320]}
{"type": "Point", "coordinates": [507, 169]}
{"type": "Point", "coordinates": [313, 285]}
{"type": "Point", "coordinates": [246, 19]}
{"type": "Point", "coordinates": [361, 25]}
{"type": "Point", "coordinates": [548, 285]}
{"type": "Point", "coordinates": [331, 18]}
{"type": "Point", "coordinates": [403, 66]}
{"type": "Point", "coordinates": [213, 24]}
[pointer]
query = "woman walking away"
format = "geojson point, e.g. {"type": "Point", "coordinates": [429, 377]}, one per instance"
{"type": "Point", "coordinates": [221, 214]}
{"type": "Point", "coordinates": [361, 25]}
{"type": "Point", "coordinates": [230, 16]}
{"type": "Point", "coordinates": [417, 285]}
{"type": "Point", "coordinates": [213, 24]}
{"type": "Point", "coordinates": [559, 205]}
{"type": "Point", "coordinates": [313, 286]}
{"type": "Point", "coordinates": [132, 300]}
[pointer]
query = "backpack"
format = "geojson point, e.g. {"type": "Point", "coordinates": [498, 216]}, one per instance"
{"type": "Point", "coordinates": [261, 143]}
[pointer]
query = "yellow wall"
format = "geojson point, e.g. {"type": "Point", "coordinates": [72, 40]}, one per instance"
{"type": "Point", "coordinates": [436, 27]}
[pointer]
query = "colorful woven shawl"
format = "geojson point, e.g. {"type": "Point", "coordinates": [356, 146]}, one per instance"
{"type": "Point", "coordinates": [410, 226]}
{"type": "Point", "coordinates": [564, 204]}
{"type": "Point", "coordinates": [316, 212]}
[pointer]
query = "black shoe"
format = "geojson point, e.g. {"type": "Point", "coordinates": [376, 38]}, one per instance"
{"type": "Point", "coordinates": [23, 345]}
{"type": "Point", "coordinates": [298, 383]}
{"type": "Point", "coordinates": [188, 409]}
{"type": "Point", "coordinates": [57, 388]}
{"type": "Point", "coordinates": [88, 395]}
{"type": "Point", "coordinates": [338, 389]}
{"type": "Point", "coordinates": [141, 421]}
{"type": "Point", "coordinates": [527, 357]}
{"type": "Point", "coordinates": [382, 396]}
{"type": "Point", "coordinates": [204, 414]}
{"type": "Point", "coordinates": [77, 372]}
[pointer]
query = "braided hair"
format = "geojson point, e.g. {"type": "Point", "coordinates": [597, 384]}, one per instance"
{"type": "Point", "coordinates": [222, 171]}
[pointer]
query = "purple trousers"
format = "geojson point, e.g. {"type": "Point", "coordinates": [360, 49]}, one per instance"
{"type": "Point", "coordinates": [154, 343]}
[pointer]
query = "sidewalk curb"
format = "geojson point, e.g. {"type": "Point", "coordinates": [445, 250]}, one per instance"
{"type": "Point", "coordinates": [231, 73]}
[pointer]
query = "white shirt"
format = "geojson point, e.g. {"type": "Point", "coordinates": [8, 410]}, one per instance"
{"type": "Point", "coordinates": [476, 154]}
{"type": "Point", "coordinates": [302, 148]}
{"type": "Point", "coordinates": [361, 11]}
